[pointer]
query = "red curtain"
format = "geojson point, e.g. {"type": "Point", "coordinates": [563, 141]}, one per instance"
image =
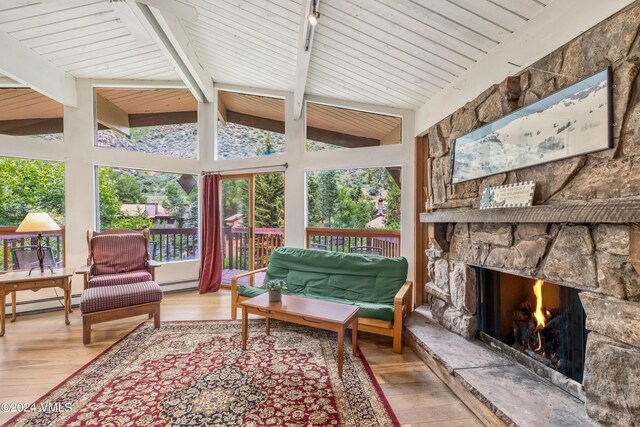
{"type": "Point", "coordinates": [211, 259]}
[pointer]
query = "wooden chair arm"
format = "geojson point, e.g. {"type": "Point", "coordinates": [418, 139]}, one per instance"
{"type": "Point", "coordinates": [234, 280]}
{"type": "Point", "coordinates": [153, 264]}
{"type": "Point", "coordinates": [85, 269]}
{"type": "Point", "coordinates": [403, 295]}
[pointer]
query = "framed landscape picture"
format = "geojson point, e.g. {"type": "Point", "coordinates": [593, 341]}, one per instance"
{"type": "Point", "coordinates": [573, 121]}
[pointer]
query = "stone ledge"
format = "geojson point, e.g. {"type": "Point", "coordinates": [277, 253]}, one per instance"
{"type": "Point", "coordinates": [502, 391]}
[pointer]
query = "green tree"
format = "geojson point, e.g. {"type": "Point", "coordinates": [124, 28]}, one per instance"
{"type": "Point", "coordinates": [109, 200]}
{"type": "Point", "coordinates": [269, 200]}
{"type": "Point", "coordinates": [134, 222]}
{"type": "Point", "coordinates": [327, 196]}
{"type": "Point", "coordinates": [129, 189]}
{"type": "Point", "coordinates": [235, 198]}
{"type": "Point", "coordinates": [392, 204]}
{"type": "Point", "coordinates": [267, 147]}
{"type": "Point", "coordinates": [30, 185]}
{"type": "Point", "coordinates": [350, 213]}
{"type": "Point", "coordinates": [314, 217]}
{"type": "Point", "coordinates": [192, 209]}
{"type": "Point", "coordinates": [175, 202]}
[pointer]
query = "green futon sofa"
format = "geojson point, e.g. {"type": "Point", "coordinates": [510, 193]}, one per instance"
{"type": "Point", "coordinates": [376, 284]}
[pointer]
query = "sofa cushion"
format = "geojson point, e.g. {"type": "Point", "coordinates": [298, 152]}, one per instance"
{"type": "Point", "coordinates": [110, 297]}
{"type": "Point", "coordinates": [369, 310]}
{"type": "Point", "coordinates": [120, 278]}
{"type": "Point", "coordinates": [348, 277]}
{"type": "Point", "coordinates": [118, 253]}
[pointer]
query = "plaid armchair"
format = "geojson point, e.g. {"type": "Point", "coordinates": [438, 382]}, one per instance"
{"type": "Point", "coordinates": [118, 257]}
{"type": "Point", "coordinates": [119, 279]}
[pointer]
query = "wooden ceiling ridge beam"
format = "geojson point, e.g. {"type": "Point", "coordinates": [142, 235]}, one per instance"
{"type": "Point", "coordinates": [172, 39]}
{"type": "Point", "coordinates": [303, 57]}
{"type": "Point", "coordinates": [25, 66]}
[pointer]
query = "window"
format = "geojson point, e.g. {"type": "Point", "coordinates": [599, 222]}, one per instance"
{"type": "Point", "coordinates": [249, 125]}
{"type": "Point", "coordinates": [29, 185]}
{"type": "Point", "coordinates": [334, 128]}
{"type": "Point", "coordinates": [26, 113]}
{"type": "Point", "coordinates": [166, 203]}
{"type": "Point", "coordinates": [157, 121]}
{"type": "Point", "coordinates": [354, 198]}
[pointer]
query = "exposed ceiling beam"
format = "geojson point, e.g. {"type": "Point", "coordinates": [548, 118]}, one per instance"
{"type": "Point", "coordinates": [6, 82]}
{"type": "Point", "coordinates": [222, 109]}
{"type": "Point", "coordinates": [23, 127]}
{"type": "Point", "coordinates": [393, 137]}
{"type": "Point", "coordinates": [167, 32]}
{"type": "Point", "coordinates": [541, 35]}
{"type": "Point", "coordinates": [110, 115]}
{"type": "Point", "coordinates": [27, 67]}
{"type": "Point", "coordinates": [158, 119]}
{"type": "Point", "coordinates": [303, 57]}
{"type": "Point", "coordinates": [316, 134]}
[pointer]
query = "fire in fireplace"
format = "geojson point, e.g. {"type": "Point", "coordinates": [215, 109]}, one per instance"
{"type": "Point", "coordinates": [541, 320]}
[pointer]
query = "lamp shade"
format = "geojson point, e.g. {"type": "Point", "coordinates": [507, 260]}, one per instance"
{"type": "Point", "coordinates": [37, 222]}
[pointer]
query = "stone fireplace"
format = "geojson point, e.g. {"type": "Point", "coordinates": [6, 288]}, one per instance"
{"type": "Point", "coordinates": [580, 238]}
{"type": "Point", "coordinates": [483, 286]}
{"type": "Point", "coordinates": [540, 323]}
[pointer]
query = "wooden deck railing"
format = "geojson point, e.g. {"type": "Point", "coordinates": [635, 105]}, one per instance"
{"type": "Point", "coordinates": [346, 239]}
{"type": "Point", "coordinates": [174, 244]}
{"type": "Point", "coordinates": [235, 247]}
{"type": "Point", "coordinates": [10, 239]}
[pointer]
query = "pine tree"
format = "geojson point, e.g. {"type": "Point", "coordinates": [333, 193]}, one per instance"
{"type": "Point", "coordinates": [327, 196]}
{"type": "Point", "coordinates": [269, 200]}
{"type": "Point", "coordinates": [314, 217]}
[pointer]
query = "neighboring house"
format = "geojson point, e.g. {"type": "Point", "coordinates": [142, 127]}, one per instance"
{"type": "Point", "coordinates": [233, 221]}
{"type": "Point", "coordinates": [153, 211]}
{"type": "Point", "coordinates": [377, 222]}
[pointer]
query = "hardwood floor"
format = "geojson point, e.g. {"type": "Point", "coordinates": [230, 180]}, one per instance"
{"type": "Point", "coordinates": [39, 351]}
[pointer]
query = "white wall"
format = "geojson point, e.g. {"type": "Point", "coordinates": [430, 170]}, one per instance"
{"type": "Point", "coordinates": [81, 156]}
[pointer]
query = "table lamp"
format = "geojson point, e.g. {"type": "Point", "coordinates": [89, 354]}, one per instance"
{"type": "Point", "coordinates": [38, 222]}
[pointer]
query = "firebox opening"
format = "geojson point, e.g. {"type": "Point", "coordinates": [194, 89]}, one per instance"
{"type": "Point", "coordinates": [541, 320]}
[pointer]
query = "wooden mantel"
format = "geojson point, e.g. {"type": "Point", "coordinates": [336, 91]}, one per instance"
{"type": "Point", "coordinates": [611, 211]}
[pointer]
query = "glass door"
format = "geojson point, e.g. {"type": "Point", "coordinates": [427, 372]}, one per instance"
{"type": "Point", "coordinates": [252, 223]}
{"type": "Point", "coordinates": [236, 224]}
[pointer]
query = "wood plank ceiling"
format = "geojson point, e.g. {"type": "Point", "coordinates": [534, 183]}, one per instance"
{"type": "Point", "coordinates": [395, 53]}
{"type": "Point", "coordinates": [400, 53]}
{"type": "Point", "coordinates": [85, 38]}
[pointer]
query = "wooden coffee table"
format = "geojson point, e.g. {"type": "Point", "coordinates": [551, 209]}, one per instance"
{"type": "Point", "coordinates": [315, 313]}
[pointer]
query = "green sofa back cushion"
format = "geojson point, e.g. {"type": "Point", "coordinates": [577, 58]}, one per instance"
{"type": "Point", "coordinates": [335, 275]}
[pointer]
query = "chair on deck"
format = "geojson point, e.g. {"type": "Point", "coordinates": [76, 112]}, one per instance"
{"type": "Point", "coordinates": [25, 257]}
{"type": "Point", "coordinates": [118, 278]}
{"type": "Point", "coordinates": [368, 250]}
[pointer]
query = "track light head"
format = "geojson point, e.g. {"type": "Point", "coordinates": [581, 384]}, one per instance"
{"type": "Point", "coordinates": [314, 17]}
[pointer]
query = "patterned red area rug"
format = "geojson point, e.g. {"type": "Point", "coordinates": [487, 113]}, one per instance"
{"type": "Point", "coordinates": [195, 374]}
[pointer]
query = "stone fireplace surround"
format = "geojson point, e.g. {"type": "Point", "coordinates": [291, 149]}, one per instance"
{"type": "Point", "coordinates": [588, 252]}
{"type": "Point", "coordinates": [593, 258]}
